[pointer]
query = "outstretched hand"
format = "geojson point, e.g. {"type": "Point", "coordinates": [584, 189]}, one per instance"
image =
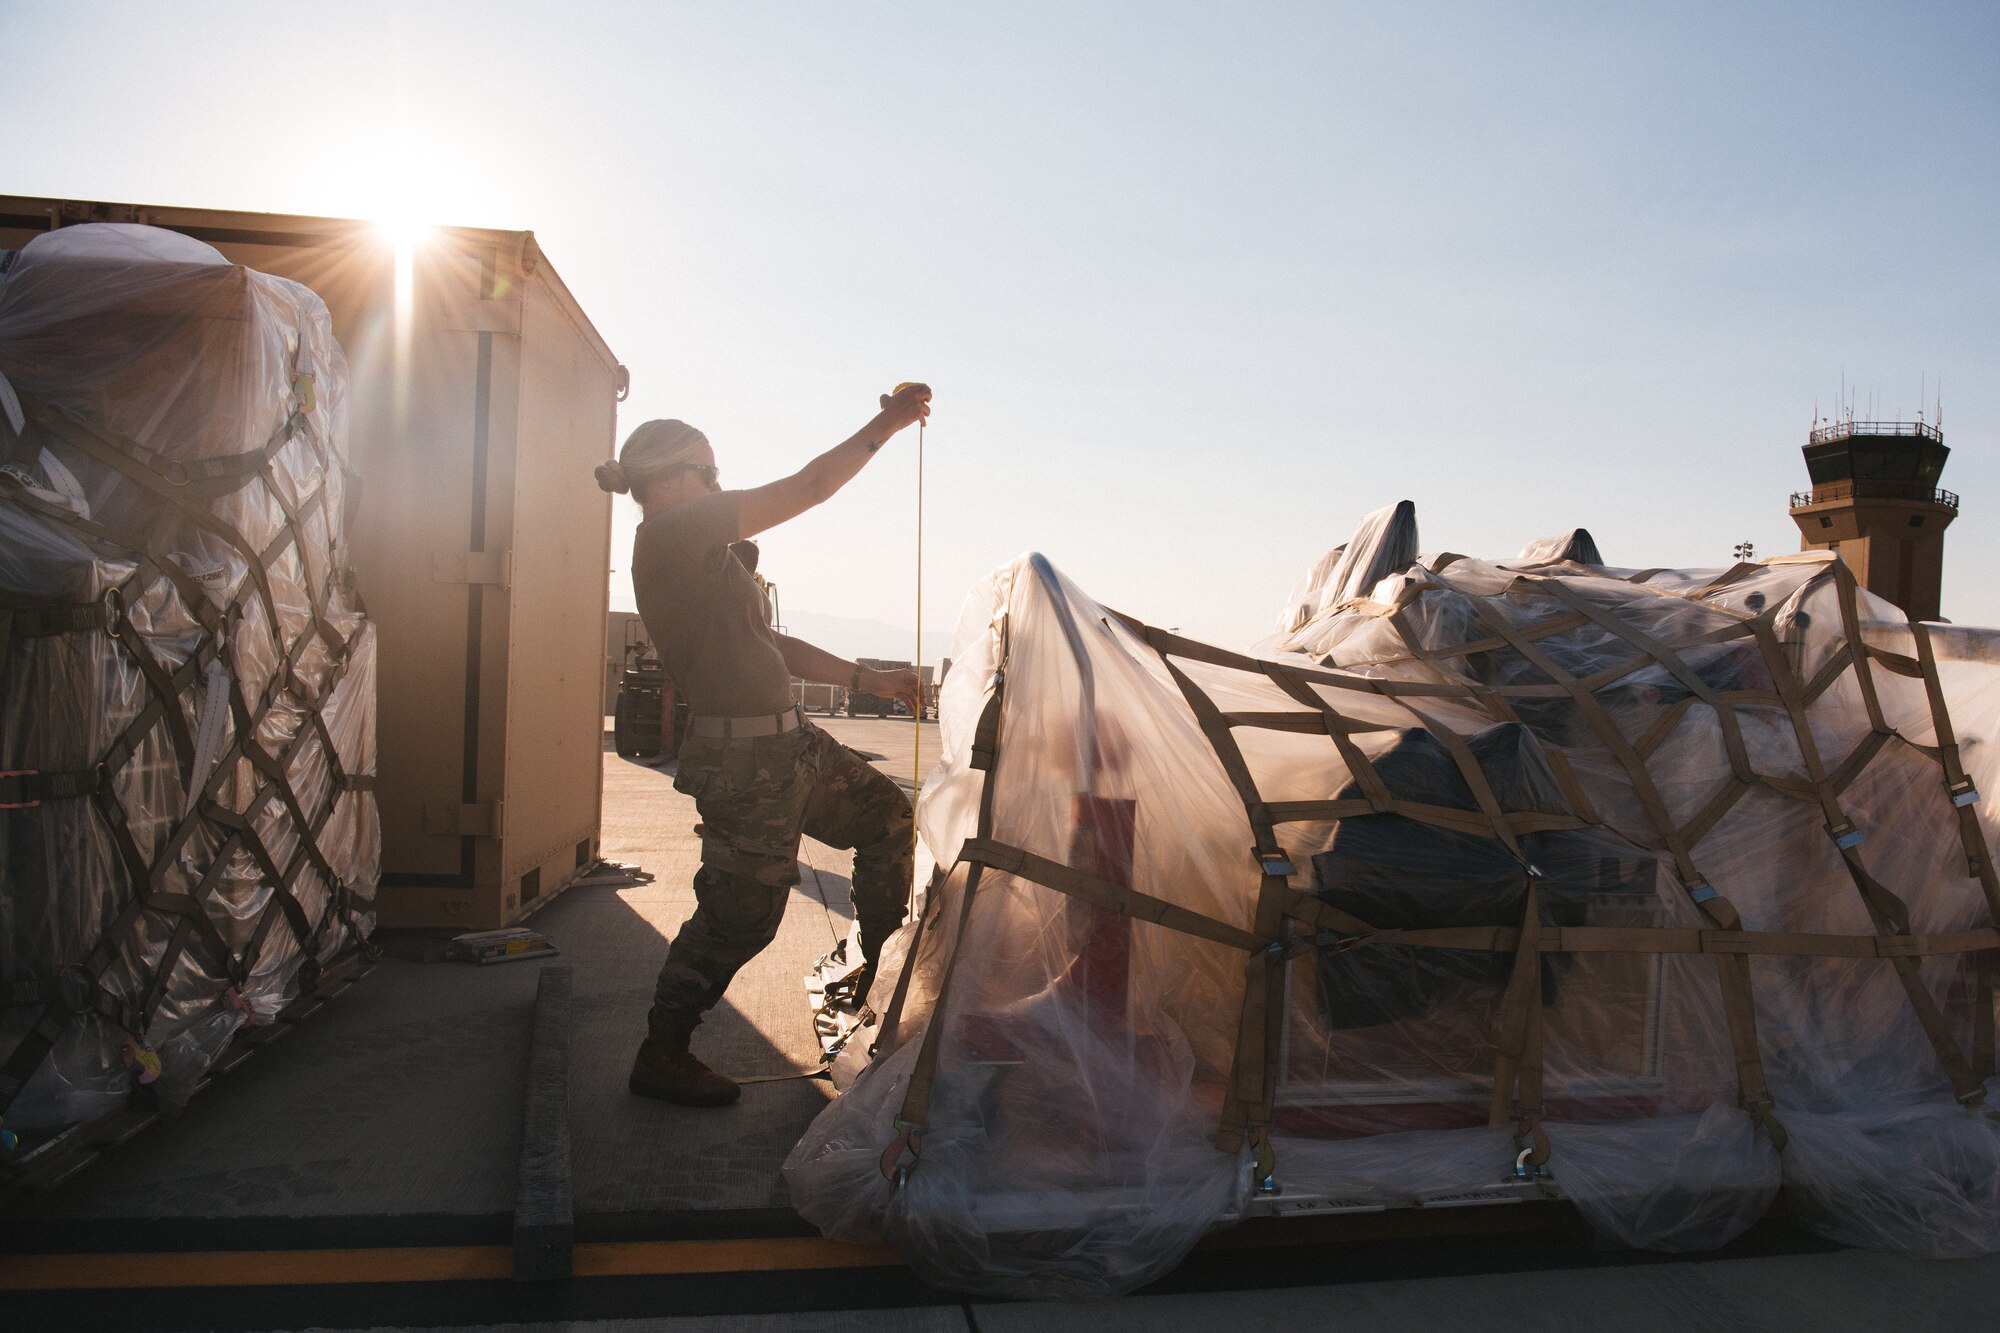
{"type": "Point", "coordinates": [901, 683]}
{"type": "Point", "coordinates": [909, 403]}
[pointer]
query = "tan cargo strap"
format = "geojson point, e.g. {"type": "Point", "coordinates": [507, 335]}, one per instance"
{"type": "Point", "coordinates": [1337, 729]}
{"type": "Point", "coordinates": [1850, 623]}
{"type": "Point", "coordinates": [1103, 893]}
{"type": "Point", "coordinates": [1489, 697]}
{"type": "Point", "coordinates": [1352, 933]}
{"type": "Point", "coordinates": [1533, 631]}
{"type": "Point", "coordinates": [1886, 910]}
{"type": "Point", "coordinates": [1690, 680]}
{"type": "Point", "coordinates": [890, 1027]}
{"type": "Point", "coordinates": [1958, 785]}
{"type": "Point", "coordinates": [1253, 1079]}
{"type": "Point", "coordinates": [1735, 572]}
{"type": "Point", "coordinates": [1260, 1033]}
{"type": "Point", "coordinates": [910, 1121]}
{"type": "Point", "coordinates": [103, 450]}
{"type": "Point", "coordinates": [196, 598]}
{"type": "Point", "coordinates": [294, 529]}
{"type": "Point", "coordinates": [1442, 816]}
{"type": "Point", "coordinates": [1517, 1073]}
{"type": "Point", "coordinates": [984, 751]}
{"type": "Point", "coordinates": [211, 478]}
{"type": "Point", "coordinates": [1582, 695]}
{"type": "Point", "coordinates": [1733, 974]}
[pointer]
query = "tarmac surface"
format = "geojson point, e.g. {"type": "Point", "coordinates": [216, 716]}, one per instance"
{"type": "Point", "coordinates": [362, 1174]}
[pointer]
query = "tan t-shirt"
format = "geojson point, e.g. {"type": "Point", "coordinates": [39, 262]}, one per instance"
{"type": "Point", "coordinates": [705, 613]}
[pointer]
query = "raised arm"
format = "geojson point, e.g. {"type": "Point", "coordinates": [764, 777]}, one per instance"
{"type": "Point", "coordinates": [767, 506]}
{"type": "Point", "coordinates": [816, 664]}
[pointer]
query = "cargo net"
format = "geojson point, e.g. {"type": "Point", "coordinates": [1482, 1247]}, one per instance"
{"type": "Point", "coordinates": [1649, 890]}
{"type": "Point", "coordinates": [187, 825]}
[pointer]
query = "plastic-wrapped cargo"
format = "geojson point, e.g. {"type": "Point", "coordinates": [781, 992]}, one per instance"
{"type": "Point", "coordinates": [188, 834]}
{"type": "Point", "coordinates": [1649, 890]}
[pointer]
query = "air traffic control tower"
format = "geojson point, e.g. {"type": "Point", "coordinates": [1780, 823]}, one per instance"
{"type": "Point", "coordinates": [1875, 499]}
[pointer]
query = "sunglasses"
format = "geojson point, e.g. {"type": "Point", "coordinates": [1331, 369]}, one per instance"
{"type": "Point", "coordinates": [708, 472]}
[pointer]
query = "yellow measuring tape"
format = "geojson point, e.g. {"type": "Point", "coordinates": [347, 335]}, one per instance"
{"type": "Point", "coordinates": [917, 718]}
{"type": "Point", "coordinates": [917, 732]}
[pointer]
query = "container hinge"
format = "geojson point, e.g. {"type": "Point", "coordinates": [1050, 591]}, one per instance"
{"type": "Point", "coordinates": [486, 819]}
{"type": "Point", "coordinates": [494, 567]}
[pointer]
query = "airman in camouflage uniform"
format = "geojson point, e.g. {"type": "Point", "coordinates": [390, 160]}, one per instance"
{"type": "Point", "coordinates": [755, 796]}
{"type": "Point", "coordinates": [761, 775]}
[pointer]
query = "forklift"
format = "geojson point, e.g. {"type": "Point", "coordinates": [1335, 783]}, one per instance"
{"type": "Point", "coordinates": [860, 701]}
{"type": "Point", "coordinates": [649, 719]}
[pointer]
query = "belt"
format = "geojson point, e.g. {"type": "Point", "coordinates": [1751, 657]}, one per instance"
{"type": "Point", "coordinates": [763, 724]}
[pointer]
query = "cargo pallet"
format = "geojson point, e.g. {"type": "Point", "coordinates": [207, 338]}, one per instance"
{"type": "Point", "coordinates": [35, 1167]}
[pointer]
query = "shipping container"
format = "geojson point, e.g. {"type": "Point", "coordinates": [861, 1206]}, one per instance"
{"type": "Point", "coordinates": [815, 697]}
{"type": "Point", "coordinates": [481, 397]}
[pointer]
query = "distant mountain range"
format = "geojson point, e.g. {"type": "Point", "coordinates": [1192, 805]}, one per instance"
{"type": "Point", "coordinates": [850, 637]}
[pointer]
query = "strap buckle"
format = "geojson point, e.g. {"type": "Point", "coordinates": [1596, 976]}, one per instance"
{"type": "Point", "coordinates": [1701, 891]}
{"type": "Point", "coordinates": [139, 1055]}
{"type": "Point", "coordinates": [1275, 862]}
{"type": "Point", "coordinates": [1529, 1163]}
{"type": "Point", "coordinates": [1265, 1172]}
{"type": "Point", "coordinates": [1963, 793]}
{"type": "Point", "coordinates": [19, 788]}
{"type": "Point", "coordinates": [1844, 834]}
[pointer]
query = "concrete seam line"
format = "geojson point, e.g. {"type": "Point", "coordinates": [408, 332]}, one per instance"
{"type": "Point", "coordinates": [544, 1210]}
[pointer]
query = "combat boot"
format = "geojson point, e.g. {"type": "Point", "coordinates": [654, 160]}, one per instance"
{"type": "Point", "coordinates": [666, 1069]}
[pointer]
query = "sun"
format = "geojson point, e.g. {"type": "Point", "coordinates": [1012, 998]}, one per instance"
{"type": "Point", "coordinates": [405, 183]}
{"type": "Point", "coordinates": [407, 231]}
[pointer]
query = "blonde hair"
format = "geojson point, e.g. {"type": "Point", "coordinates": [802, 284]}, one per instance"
{"type": "Point", "coordinates": [651, 449]}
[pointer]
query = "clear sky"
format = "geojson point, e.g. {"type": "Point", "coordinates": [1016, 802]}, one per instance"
{"type": "Point", "coordinates": [1196, 285]}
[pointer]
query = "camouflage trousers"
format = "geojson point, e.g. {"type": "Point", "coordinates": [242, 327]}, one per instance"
{"type": "Point", "coordinates": [756, 795]}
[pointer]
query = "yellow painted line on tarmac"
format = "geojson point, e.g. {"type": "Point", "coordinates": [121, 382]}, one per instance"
{"type": "Point", "coordinates": [426, 1263]}
{"type": "Point", "coordinates": [659, 1258]}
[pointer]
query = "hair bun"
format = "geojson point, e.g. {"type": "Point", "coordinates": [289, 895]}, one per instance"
{"type": "Point", "coordinates": [611, 477]}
